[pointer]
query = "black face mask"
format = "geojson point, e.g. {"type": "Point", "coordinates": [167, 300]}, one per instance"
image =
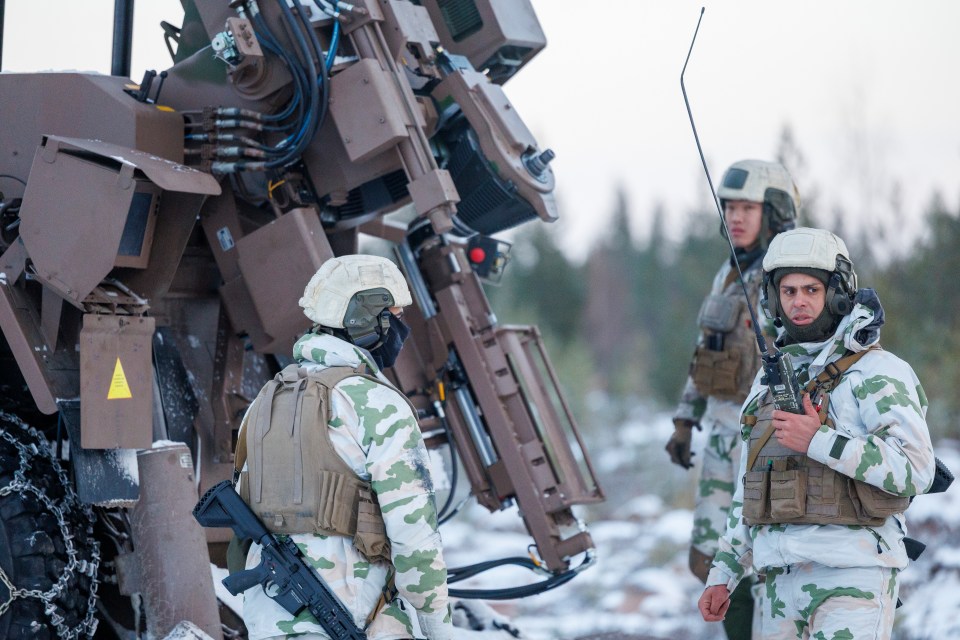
{"type": "Point", "coordinates": [386, 354]}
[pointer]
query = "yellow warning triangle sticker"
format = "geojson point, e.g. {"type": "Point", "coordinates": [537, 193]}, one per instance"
{"type": "Point", "coordinates": [119, 389]}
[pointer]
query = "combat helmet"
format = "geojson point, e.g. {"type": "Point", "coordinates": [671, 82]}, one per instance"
{"type": "Point", "coordinates": [818, 253]}
{"type": "Point", "coordinates": [354, 293]}
{"type": "Point", "coordinates": [766, 182]}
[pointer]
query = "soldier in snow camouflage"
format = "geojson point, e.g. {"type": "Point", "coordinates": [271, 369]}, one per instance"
{"type": "Point", "coordinates": [818, 508]}
{"type": "Point", "coordinates": [759, 200]}
{"type": "Point", "coordinates": [374, 431]}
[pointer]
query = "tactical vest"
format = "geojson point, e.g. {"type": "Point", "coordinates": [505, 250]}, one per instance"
{"type": "Point", "coordinates": [726, 362]}
{"type": "Point", "coordinates": [294, 479]}
{"type": "Point", "coordinates": [782, 486]}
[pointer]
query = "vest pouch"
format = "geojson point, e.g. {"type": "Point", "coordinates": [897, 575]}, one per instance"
{"type": "Point", "coordinates": [715, 372]}
{"type": "Point", "coordinates": [337, 496]}
{"type": "Point", "coordinates": [875, 502]}
{"type": "Point", "coordinates": [719, 313]}
{"type": "Point", "coordinates": [371, 537]}
{"type": "Point", "coordinates": [756, 496]}
{"type": "Point", "coordinates": [788, 494]}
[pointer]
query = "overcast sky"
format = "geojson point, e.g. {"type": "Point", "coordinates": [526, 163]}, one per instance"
{"type": "Point", "coordinates": [869, 88]}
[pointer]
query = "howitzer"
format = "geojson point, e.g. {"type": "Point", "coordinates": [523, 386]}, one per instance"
{"type": "Point", "coordinates": [282, 572]}
{"type": "Point", "coordinates": [153, 249]}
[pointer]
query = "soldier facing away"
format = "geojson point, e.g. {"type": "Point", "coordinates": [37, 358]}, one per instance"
{"type": "Point", "coordinates": [759, 200]}
{"type": "Point", "coordinates": [373, 537]}
{"type": "Point", "coordinates": [820, 497]}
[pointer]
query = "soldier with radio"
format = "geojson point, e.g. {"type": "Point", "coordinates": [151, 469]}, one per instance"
{"type": "Point", "coordinates": [759, 200]}
{"type": "Point", "coordinates": [820, 499]}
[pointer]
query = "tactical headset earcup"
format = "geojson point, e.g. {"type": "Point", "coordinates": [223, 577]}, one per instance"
{"type": "Point", "coordinates": [768, 297]}
{"type": "Point", "coordinates": [839, 303]}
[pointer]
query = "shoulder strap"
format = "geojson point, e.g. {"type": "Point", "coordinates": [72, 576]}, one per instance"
{"type": "Point", "coordinates": [831, 374]}
{"type": "Point", "coordinates": [758, 445]}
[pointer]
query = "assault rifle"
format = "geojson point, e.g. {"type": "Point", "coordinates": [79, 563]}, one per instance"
{"type": "Point", "coordinates": [778, 373]}
{"type": "Point", "coordinates": [282, 572]}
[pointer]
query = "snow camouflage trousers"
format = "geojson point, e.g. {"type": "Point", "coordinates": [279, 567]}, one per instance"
{"type": "Point", "coordinates": [718, 474]}
{"type": "Point", "coordinates": [810, 600]}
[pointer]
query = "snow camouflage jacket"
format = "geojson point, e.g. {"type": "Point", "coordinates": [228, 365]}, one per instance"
{"type": "Point", "coordinates": [374, 432]}
{"type": "Point", "coordinates": [714, 414]}
{"type": "Point", "coordinates": [881, 407]}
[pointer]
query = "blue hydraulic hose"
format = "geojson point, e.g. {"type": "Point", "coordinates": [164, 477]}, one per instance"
{"type": "Point", "coordinates": [334, 40]}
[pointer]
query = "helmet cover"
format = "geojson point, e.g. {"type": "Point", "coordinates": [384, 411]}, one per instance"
{"type": "Point", "coordinates": [330, 291]}
{"type": "Point", "coordinates": [766, 182]}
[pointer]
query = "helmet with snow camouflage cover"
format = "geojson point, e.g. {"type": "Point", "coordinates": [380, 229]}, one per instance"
{"type": "Point", "coordinates": [352, 293]}
{"type": "Point", "coordinates": [818, 253]}
{"type": "Point", "coordinates": [766, 182]}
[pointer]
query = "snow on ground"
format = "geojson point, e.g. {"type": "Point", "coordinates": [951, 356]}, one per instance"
{"type": "Point", "coordinates": [640, 583]}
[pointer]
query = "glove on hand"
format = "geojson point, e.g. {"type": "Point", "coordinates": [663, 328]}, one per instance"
{"type": "Point", "coordinates": [679, 444]}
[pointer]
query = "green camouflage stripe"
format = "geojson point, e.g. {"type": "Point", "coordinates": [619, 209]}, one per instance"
{"type": "Point", "coordinates": [899, 398]}
{"type": "Point", "coordinates": [422, 561]}
{"type": "Point", "coordinates": [703, 531]}
{"type": "Point", "coordinates": [361, 569]}
{"type": "Point", "coordinates": [316, 563]}
{"type": "Point", "coordinates": [871, 457]}
{"type": "Point", "coordinates": [394, 611]}
{"type": "Point", "coordinates": [842, 634]}
{"type": "Point", "coordinates": [399, 474]}
{"type": "Point", "coordinates": [414, 440]}
{"type": "Point", "coordinates": [709, 487]}
{"type": "Point", "coordinates": [427, 513]}
{"type": "Point", "coordinates": [890, 486]}
{"type": "Point", "coordinates": [922, 396]}
{"type": "Point", "coordinates": [387, 507]}
{"type": "Point", "coordinates": [288, 626]}
{"type": "Point", "coordinates": [733, 516]}
{"type": "Point", "coordinates": [730, 562]}
{"type": "Point", "coordinates": [818, 596]}
{"type": "Point", "coordinates": [777, 605]}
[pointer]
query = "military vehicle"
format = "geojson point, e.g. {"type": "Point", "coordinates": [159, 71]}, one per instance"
{"type": "Point", "coordinates": [155, 239]}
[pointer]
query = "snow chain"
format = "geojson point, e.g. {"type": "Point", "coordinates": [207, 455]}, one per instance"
{"type": "Point", "coordinates": [76, 566]}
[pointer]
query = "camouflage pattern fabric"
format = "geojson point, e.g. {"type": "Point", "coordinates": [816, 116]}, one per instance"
{"type": "Point", "coordinates": [718, 473]}
{"type": "Point", "coordinates": [373, 430]}
{"type": "Point", "coordinates": [809, 600]}
{"type": "Point", "coordinates": [880, 407]}
{"type": "Point", "coordinates": [720, 459]}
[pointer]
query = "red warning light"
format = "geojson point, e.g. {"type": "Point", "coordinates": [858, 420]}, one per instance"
{"type": "Point", "coordinates": [477, 255]}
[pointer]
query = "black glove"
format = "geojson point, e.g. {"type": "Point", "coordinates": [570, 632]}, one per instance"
{"type": "Point", "coordinates": [679, 444]}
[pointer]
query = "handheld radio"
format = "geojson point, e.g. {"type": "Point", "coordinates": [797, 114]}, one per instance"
{"type": "Point", "coordinates": [778, 373]}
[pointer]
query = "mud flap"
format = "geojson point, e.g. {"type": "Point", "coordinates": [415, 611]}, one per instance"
{"type": "Point", "coordinates": [103, 477]}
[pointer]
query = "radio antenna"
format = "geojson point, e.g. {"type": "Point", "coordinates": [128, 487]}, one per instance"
{"type": "Point", "coordinates": [778, 373]}
{"type": "Point", "coordinates": [716, 201]}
